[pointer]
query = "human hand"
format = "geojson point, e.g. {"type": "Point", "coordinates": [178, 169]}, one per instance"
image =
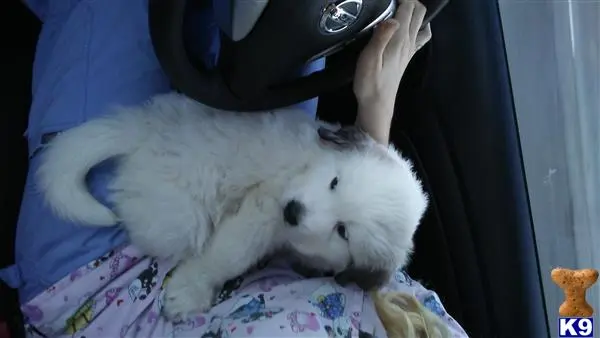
{"type": "Point", "coordinates": [382, 63]}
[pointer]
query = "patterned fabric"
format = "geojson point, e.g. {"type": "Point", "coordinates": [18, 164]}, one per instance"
{"type": "Point", "coordinates": [121, 294]}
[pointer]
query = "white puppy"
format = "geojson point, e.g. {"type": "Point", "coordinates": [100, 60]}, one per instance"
{"type": "Point", "coordinates": [220, 190]}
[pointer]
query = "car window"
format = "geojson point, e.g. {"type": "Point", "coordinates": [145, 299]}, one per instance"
{"type": "Point", "coordinates": [553, 51]}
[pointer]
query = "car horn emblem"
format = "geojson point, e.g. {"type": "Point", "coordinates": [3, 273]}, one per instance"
{"type": "Point", "coordinates": [340, 15]}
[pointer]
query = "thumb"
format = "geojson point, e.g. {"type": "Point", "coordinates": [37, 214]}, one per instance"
{"type": "Point", "coordinates": [382, 35]}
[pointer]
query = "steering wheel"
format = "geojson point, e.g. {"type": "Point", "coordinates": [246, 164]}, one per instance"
{"type": "Point", "coordinates": [258, 55]}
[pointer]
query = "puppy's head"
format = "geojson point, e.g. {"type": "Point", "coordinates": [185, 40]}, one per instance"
{"type": "Point", "coordinates": [355, 210]}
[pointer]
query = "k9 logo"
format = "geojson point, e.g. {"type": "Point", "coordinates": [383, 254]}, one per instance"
{"type": "Point", "coordinates": [575, 327]}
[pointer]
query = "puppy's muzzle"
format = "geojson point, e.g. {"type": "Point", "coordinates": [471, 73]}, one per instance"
{"type": "Point", "coordinates": [292, 212]}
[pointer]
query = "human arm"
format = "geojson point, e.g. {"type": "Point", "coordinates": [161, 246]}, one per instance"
{"type": "Point", "coordinates": [381, 66]}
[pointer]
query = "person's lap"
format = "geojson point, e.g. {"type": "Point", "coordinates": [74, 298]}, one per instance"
{"type": "Point", "coordinates": [90, 55]}
{"type": "Point", "coordinates": [122, 294]}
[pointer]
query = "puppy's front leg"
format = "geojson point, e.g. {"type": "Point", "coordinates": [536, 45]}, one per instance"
{"type": "Point", "coordinates": [239, 242]}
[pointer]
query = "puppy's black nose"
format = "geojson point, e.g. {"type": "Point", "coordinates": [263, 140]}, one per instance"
{"type": "Point", "coordinates": [293, 212]}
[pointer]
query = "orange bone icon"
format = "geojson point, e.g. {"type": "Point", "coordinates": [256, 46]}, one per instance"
{"type": "Point", "coordinates": [575, 283]}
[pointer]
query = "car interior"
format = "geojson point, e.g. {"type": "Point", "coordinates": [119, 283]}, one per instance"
{"type": "Point", "coordinates": [454, 118]}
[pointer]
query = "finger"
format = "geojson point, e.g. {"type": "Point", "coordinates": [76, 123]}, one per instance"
{"type": "Point", "coordinates": [403, 16]}
{"type": "Point", "coordinates": [373, 51]}
{"type": "Point", "coordinates": [423, 37]}
{"type": "Point", "coordinates": [404, 13]}
{"type": "Point", "coordinates": [416, 20]}
{"type": "Point", "coordinates": [383, 34]}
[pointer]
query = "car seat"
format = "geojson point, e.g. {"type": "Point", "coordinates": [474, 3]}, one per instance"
{"type": "Point", "coordinates": [454, 118]}
{"type": "Point", "coordinates": [16, 68]}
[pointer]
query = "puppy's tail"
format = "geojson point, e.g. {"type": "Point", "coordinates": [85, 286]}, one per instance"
{"type": "Point", "coordinates": [70, 156]}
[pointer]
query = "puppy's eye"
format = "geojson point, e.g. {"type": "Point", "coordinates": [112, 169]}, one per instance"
{"type": "Point", "coordinates": [333, 183]}
{"type": "Point", "coordinates": [341, 230]}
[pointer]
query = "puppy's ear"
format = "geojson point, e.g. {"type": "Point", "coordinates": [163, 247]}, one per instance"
{"type": "Point", "coordinates": [345, 138]}
{"type": "Point", "coordinates": [365, 278]}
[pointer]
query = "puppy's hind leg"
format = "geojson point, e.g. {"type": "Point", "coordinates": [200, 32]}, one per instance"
{"type": "Point", "coordinates": [239, 242]}
{"type": "Point", "coordinates": [163, 221]}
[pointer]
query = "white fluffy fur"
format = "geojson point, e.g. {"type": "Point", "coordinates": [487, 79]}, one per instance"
{"type": "Point", "coordinates": [209, 187]}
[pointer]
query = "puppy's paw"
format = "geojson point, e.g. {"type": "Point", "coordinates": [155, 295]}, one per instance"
{"type": "Point", "coordinates": [185, 296]}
